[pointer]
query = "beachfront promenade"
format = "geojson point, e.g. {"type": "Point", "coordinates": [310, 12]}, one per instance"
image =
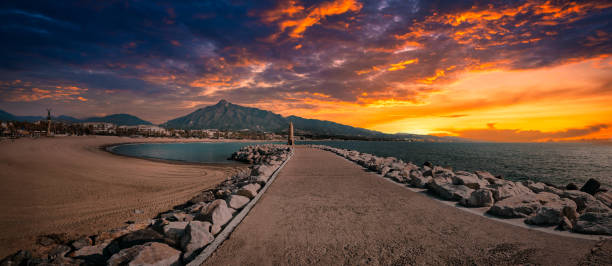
{"type": "Point", "coordinates": [323, 209]}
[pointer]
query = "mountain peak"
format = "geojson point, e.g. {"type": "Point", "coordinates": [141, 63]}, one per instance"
{"type": "Point", "coordinates": [223, 102]}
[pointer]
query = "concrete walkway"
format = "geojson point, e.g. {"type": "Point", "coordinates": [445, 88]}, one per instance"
{"type": "Point", "coordinates": [323, 209]}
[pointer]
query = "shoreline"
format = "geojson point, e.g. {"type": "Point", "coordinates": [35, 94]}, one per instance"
{"type": "Point", "coordinates": [73, 185]}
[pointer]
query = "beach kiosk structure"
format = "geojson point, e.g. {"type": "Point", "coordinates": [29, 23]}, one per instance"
{"type": "Point", "coordinates": [291, 140]}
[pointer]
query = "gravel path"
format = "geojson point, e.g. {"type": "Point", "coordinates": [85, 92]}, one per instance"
{"type": "Point", "coordinates": [323, 209]}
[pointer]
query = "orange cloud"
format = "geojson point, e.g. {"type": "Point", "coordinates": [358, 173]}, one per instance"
{"type": "Point", "coordinates": [295, 19]}
{"type": "Point", "coordinates": [32, 94]}
{"type": "Point", "coordinates": [402, 65]}
{"type": "Point", "coordinates": [488, 26]}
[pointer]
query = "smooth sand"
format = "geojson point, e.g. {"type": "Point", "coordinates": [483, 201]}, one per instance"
{"type": "Point", "coordinates": [68, 185]}
{"type": "Point", "coordinates": [325, 210]}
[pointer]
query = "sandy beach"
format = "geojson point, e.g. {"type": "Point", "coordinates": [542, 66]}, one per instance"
{"type": "Point", "coordinates": [69, 185]}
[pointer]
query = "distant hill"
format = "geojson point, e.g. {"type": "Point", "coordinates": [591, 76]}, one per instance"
{"type": "Point", "coordinates": [228, 116]}
{"type": "Point", "coordinates": [119, 119]}
{"type": "Point", "coordinates": [6, 116]}
{"type": "Point", "coordinates": [322, 127]}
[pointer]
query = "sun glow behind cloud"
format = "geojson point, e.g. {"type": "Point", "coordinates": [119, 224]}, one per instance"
{"type": "Point", "coordinates": [502, 70]}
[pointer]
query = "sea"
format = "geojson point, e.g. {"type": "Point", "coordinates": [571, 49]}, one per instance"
{"type": "Point", "coordinates": [556, 163]}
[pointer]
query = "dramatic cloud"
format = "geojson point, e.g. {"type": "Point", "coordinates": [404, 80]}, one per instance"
{"type": "Point", "coordinates": [394, 64]}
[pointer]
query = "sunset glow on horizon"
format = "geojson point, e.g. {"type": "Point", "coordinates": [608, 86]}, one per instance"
{"type": "Point", "coordinates": [524, 71]}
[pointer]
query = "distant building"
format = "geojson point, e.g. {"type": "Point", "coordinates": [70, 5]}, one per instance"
{"type": "Point", "coordinates": [101, 127]}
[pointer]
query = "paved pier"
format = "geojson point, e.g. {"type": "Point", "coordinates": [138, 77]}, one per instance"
{"type": "Point", "coordinates": [323, 209]}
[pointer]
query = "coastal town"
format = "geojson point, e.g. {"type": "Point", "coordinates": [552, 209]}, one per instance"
{"type": "Point", "coordinates": [41, 128]}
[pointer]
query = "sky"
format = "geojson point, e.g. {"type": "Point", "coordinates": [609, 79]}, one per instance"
{"type": "Point", "coordinates": [487, 70]}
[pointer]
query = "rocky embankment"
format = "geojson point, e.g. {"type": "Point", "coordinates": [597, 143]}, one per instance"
{"type": "Point", "coordinates": [174, 237]}
{"type": "Point", "coordinates": [586, 211]}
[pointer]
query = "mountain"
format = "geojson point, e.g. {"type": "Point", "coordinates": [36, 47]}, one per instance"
{"type": "Point", "coordinates": [322, 127]}
{"type": "Point", "coordinates": [225, 115]}
{"type": "Point", "coordinates": [6, 116]}
{"type": "Point", "coordinates": [67, 119]}
{"type": "Point", "coordinates": [119, 119]}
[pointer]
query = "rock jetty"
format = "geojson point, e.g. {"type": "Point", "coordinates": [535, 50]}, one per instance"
{"type": "Point", "coordinates": [586, 211]}
{"type": "Point", "coordinates": [174, 237]}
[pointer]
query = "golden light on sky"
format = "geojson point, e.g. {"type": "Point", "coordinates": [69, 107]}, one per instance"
{"type": "Point", "coordinates": [525, 70]}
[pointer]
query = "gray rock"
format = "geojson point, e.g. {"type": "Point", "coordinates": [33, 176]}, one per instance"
{"type": "Point", "coordinates": [594, 223]}
{"type": "Point", "coordinates": [154, 254]}
{"type": "Point", "coordinates": [138, 237]}
{"type": "Point", "coordinates": [591, 186]}
{"type": "Point", "coordinates": [515, 206]}
{"type": "Point", "coordinates": [197, 235]}
{"type": "Point", "coordinates": [504, 189]}
{"type": "Point", "coordinates": [552, 213]}
{"type": "Point", "coordinates": [249, 191]}
{"type": "Point", "coordinates": [565, 225]}
{"type": "Point", "coordinates": [479, 198]}
{"type": "Point", "coordinates": [396, 176]}
{"type": "Point", "coordinates": [263, 172]}
{"type": "Point", "coordinates": [237, 201]}
{"type": "Point", "coordinates": [597, 206]}
{"type": "Point", "coordinates": [448, 191]}
{"type": "Point", "coordinates": [175, 230]}
{"type": "Point", "coordinates": [218, 214]}
{"type": "Point", "coordinates": [81, 242]}
{"type": "Point", "coordinates": [487, 176]}
{"type": "Point", "coordinates": [538, 187]}
{"type": "Point", "coordinates": [90, 251]}
{"type": "Point", "coordinates": [582, 199]}
{"type": "Point", "coordinates": [605, 197]}
{"type": "Point", "coordinates": [469, 180]}
{"type": "Point", "coordinates": [384, 170]}
{"type": "Point", "coordinates": [418, 180]}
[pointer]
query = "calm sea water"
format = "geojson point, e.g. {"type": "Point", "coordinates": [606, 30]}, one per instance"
{"type": "Point", "coordinates": [557, 163]}
{"type": "Point", "coordinates": [197, 152]}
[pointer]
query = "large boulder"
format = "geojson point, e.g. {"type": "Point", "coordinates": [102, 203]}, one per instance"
{"type": "Point", "coordinates": [384, 170]}
{"type": "Point", "coordinates": [552, 213]}
{"type": "Point", "coordinates": [597, 206]}
{"type": "Point", "coordinates": [594, 223]}
{"type": "Point", "coordinates": [448, 191]}
{"type": "Point", "coordinates": [582, 199]}
{"type": "Point", "coordinates": [538, 187]}
{"type": "Point", "coordinates": [605, 197]}
{"type": "Point", "coordinates": [479, 198]}
{"type": "Point", "coordinates": [197, 235]}
{"type": "Point", "coordinates": [487, 176]}
{"type": "Point", "coordinates": [439, 172]}
{"type": "Point", "coordinates": [418, 180]}
{"type": "Point", "coordinates": [249, 191]}
{"type": "Point", "coordinates": [263, 172]}
{"type": "Point", "coordinates": [175, 230]}
{"type": "Point", "coordinates": [237, 201]}
{"type": "Point", "coordinates": [469, 180]}
{"type": "Point", "coordinates": [138, 237]}
{"type": "Point", "coordinates": [591, 186]}
{"type": "Point", "coordinates": [217, 213]}
{"type": "Point", "coordinates": [154, 254]}
{"type": "Point", "coordinates": [504, 189]}
{"type": "Point", "coordinates": [516, 206]}
{"type": "Point", "coordinates": [396, 176]}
